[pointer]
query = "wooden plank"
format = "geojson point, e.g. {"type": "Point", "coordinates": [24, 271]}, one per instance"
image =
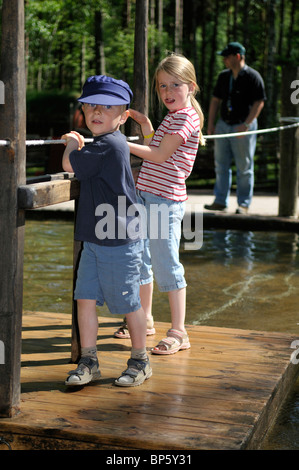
{"type": "Point", "coordinates": [12, 171]}
{"type": "Point", "coordinates": [64, 175]}
{"type": "Point", "coordinates": [46, 193]}
{"type": "Point", "coordinates": [222, 394]}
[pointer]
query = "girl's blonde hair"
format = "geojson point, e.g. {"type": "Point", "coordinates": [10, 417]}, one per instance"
{"type": "Point", "coordinates": [181, 68]}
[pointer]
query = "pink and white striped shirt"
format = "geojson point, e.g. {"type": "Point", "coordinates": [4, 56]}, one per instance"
{"type": "Point", "coordinates": [167, 179]}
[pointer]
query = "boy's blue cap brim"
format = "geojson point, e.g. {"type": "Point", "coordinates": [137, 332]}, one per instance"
{"type": "Point", "coordinates": [100, 89]}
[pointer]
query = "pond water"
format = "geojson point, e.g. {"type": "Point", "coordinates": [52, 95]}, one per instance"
{"type": "Point", "coordinates": [237, 279]}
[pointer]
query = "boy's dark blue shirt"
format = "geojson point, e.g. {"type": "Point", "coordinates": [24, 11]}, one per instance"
{"type": "Point", "coordinates": [104, 171]}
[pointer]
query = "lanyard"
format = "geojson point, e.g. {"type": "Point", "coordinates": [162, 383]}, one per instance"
{"type": "Point", "coordinates": [229, 102]}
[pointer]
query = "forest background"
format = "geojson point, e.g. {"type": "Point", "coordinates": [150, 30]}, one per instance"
{"type": "Point", "coordinates": [68, 40]}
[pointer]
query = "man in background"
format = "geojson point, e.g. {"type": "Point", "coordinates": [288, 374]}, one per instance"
{"type": "Point", "coordinates": [239, 94]}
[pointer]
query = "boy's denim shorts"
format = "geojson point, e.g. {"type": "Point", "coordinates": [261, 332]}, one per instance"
{"type": "Point", "coordinates": [111, 275]}
{"type": "Point", "coordinates": [161, 247]}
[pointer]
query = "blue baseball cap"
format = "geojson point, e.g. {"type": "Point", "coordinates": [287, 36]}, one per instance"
{"type": "Point", "coordinates": [100, 89]}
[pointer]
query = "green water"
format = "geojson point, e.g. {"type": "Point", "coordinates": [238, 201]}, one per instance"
{"type": "Point", "coordinates": [246, 280]}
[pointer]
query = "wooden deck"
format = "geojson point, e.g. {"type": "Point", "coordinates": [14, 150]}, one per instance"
{"type": "Point", "coordinates": [222, 394]}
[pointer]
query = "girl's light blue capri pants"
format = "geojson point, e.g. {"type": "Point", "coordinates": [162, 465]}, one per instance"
{"type": "Point", "coordinates": [161, 248]}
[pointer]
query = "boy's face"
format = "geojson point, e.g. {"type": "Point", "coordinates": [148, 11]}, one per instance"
{"type": "Point", "coordinates": [102, 119]}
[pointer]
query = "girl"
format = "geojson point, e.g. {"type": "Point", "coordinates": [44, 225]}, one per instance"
{"type": "Point", "coordinates": [169, 155]}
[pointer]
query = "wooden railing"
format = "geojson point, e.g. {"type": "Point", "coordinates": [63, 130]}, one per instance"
{"type": "Point", "coordinates": [52, 189]}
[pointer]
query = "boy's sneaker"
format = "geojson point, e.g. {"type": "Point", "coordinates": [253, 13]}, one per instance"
{"type": "Point", "coordinates": [87, 370]}
{"type": "Point", "coordinates": [136, 373]}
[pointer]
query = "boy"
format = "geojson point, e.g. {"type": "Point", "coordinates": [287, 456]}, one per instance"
{"type": "Point", "coordinates": [110, 261]}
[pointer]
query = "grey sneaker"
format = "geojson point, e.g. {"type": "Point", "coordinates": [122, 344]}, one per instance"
{"type": "Point", "coordinates": [135, 374]}
{"type": "Point", "coordinates": [87, 370]}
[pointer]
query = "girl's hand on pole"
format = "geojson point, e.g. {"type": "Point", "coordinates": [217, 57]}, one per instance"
{"type": "Point", "coordinates": [138, 117]}
{"type": "Point", "coordinates": [145, 123]}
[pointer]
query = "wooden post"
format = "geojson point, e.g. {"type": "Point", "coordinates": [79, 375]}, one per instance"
{"type": "Point", "coordinates": [141, 57]}
{"type": "Point", "coordinates": [140, 101]}
{"type": "Point", "coordinates": [288, 168]}
{"type": "Point", "coordinates": [12, 171]}
{"type": "Point", "coordinates": [76, 343]}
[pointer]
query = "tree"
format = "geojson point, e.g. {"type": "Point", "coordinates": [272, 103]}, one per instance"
{"type": "Point", "coordinates": [63, 48]}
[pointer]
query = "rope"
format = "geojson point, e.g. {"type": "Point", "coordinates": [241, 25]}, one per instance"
{"type": "Point", "coordinates": [4, 143]}
{"type": "Point", "coordinates": [50, 141]}
{"type": "Point", "coordinates": [259, 131]}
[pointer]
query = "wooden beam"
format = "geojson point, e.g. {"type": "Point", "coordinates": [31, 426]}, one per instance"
{"type": "Point", "coordinates": [64, 175]}
{"type": "Point", "coordinates": [12, 170]}
{"type": "Point", "coordinates": [46, 193]}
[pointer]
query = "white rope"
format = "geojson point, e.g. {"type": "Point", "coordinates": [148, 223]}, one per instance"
{"type": "Point", "coordinates": [217, 136]}
{"type": "Point", "coordinates": [258, 131]}
{"type": "Point", "coordinates": [52, 141]}
{"type": "Point", "coordinates": [289, 119]}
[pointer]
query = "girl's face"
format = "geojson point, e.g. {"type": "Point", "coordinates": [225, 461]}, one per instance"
{"type": "Point", "coordinates": [101, 119]}
{"type": "Point", "coordinates": [174, 93]}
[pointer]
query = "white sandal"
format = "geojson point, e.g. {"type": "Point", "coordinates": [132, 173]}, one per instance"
{"type": "Point", "coordinates": [136, 373]}
{"type": "Point", "coordinates": [87, 371]}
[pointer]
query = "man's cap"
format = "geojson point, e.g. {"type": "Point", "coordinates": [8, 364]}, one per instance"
{"type": "Point", "coordinates": [100, 89]}
{"type": "Point", "coordinates": [233, 48]}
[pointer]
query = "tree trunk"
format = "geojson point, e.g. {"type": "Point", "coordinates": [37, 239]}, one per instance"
{"type": "Point", "coordinates": [178, 35]}
{"type": "Point", "coordinates": [270, 76]}
{"type": "Point", "coordinates": [99, 45]}
{"type": "Point", "coordinates": [140, 102]}
{"type": "Point", "coordinates": [141, 57]}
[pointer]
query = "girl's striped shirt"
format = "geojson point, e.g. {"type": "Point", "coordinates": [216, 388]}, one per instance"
{"type": "Point", "coordinates": [167, 179]}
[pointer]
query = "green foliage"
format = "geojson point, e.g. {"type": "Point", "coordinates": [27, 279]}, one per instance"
{"type": "Point", "coordinates": [63, 49]}
{"type": "Point", "coordinates": [60, 32]}
{"type": "Point", "coordinates": [48, 112]}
